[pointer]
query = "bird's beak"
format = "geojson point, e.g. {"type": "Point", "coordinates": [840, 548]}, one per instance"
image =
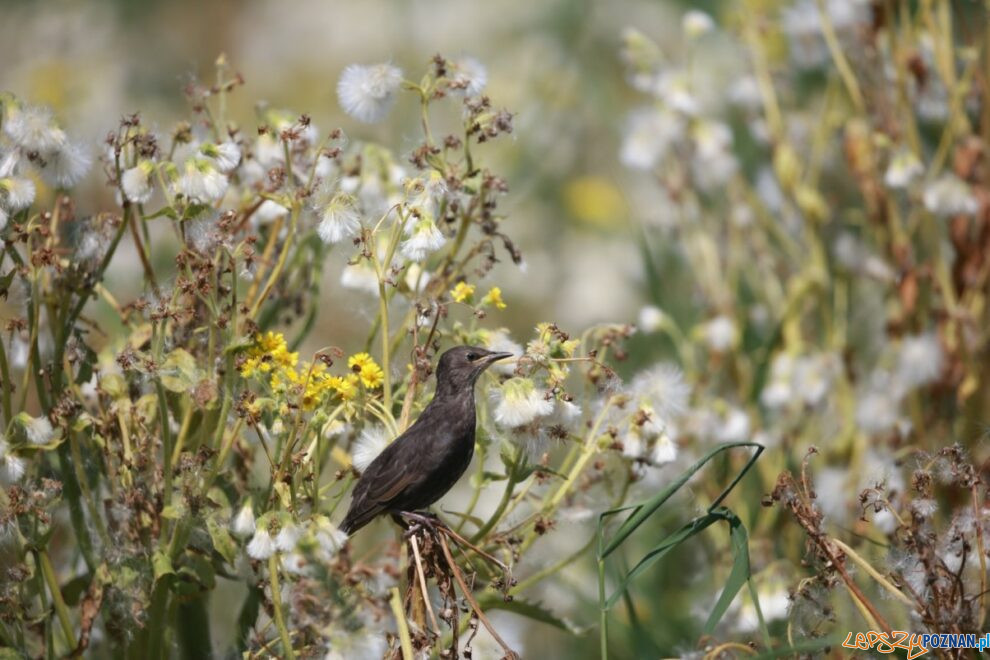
{"type": "Point", "coordinates": [494, 357]}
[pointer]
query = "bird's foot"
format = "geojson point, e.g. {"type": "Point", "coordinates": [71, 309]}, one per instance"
{"type": "Point", "coordinates": [416, 521]}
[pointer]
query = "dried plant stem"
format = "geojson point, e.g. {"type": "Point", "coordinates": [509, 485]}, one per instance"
{"type": "Point", "coordinates": [279, 265]}
{"type": "Point", "coordinates": [414, 542]}
{"type": "Point", "coordinates": [841, 63]}
{"type": "Point", "coordinates": [981, 553]}
{"type": "Point", "coordinates": [471, 600]}
{"type": "Point", "coordinates": [873, 573]}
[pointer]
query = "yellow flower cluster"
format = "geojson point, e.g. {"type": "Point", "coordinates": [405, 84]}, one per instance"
{"type": "Point", "coordinates": [310, 381]}
{"type": "Point", "coordinates": [269, 353]}
{"type": "Point", "coordinates": [463, 292]}
{"type": "Point", "coordinates": [364, 367]}
{"type": "Point", "coordinates": [494, 298]}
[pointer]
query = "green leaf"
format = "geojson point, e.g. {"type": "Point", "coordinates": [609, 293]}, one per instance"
{"type": "Point", "coordinates": [179, 373]}
{"type": "Point", "coordinates": [114, 385]}
{"type": "Point", "coordinates": [223, 542]}
{"type": "Point", "coordinates": [739, 574]}
{"type": "Point", "coordinates": [165, 211]}
{"type": "Point", "coordinates": [5, 283]}
{"type": "Point", "coordinates": [642, 511]}
{"type": "Point", "coordinates": [697, 525]}
{"type": "Point", "coordinates": [534, 611]}
{"type": "Point", "coordinates": [199, 568]}
{"type": "Point", "coordinates": [161, 564]}
{"type": "Point", "coordinates": [239, 344]}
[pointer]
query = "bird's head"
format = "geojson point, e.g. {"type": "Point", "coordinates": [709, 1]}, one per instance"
{"type": "Point", "coordinates": [460, 366]}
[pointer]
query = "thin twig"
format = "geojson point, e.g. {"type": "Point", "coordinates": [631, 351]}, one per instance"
{"type": "Point", "coordinates": [470, 599]}
{"type": "Point", "coordinates": [422, 583]}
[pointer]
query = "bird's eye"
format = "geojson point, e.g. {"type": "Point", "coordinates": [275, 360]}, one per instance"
{"type": "Point", "coordinates": [472, 357]}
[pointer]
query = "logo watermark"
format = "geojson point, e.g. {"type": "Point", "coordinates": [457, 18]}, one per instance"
{"type": "Point", "coordinates": [915, 644]}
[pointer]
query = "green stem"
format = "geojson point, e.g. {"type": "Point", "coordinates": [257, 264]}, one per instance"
{"type": "Point", "coordinates": [283, 632]}
{"type": "Point", "coordinates": [60, 608]}
{"type": "Point", "coordinates": [166, 441]}
{"type": "Point", "coordinates": [603, 611]}
{"type": "Point", "coordinates": [506, 497]}
{"type": "Point", "coordinates": [403, 625]}
{"type": "Point", "coordinates": [5, 391]}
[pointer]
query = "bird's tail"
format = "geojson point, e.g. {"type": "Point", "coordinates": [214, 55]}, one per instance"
{"type": "Point", "coordinates": [353, 523]}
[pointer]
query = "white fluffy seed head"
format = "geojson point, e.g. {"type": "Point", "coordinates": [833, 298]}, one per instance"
{"type": "Point", "coordinates": [367, 93]}
{"type": "Point", "coordinates": [372, 441]}
{"type": "Point", "coordinates": [519, 403]}
{"type": "Point", "coordinates": [39, 430]}
{"type": "Point", "coordinates": [18, 193]}
{"type": "Point", "coordinates": [33, 128]}
{"type": "Point", "coordinates": [339, 219]}
{"type": "Point", "coordinates": [136, 182]}
{"type": "Point", "coordinates": [243, 524]}
{"type": "Point", "coordinates": [426, 238]}
{"type": "Point", "coordinates": [261, 545]}
{"type": "Point", "coordinates": [66, 166]}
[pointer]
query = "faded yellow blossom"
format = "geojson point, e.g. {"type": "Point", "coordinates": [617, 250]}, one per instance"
{"type": "Point", "coordinates": [462, 292]}
{"type": "Point", "coordinates": [494, 297]}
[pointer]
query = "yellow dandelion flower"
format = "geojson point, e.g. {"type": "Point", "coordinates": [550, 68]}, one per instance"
{"type": "Point", "coordinates": [346, 387]}
{"type": "Point", "coordinates": [358, 360]}
{"type": "Point", "coordinates": [372, 376]}
{"type": "Point", "coordinates": [366, 369]}
{"type": "Point", "coordinates": [494, 297]}
{"type": "Point", "coordinates": [463, 292]}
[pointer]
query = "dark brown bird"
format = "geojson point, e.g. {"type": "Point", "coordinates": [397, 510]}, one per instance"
{"type": "Point", "coordinates": [422, 464]}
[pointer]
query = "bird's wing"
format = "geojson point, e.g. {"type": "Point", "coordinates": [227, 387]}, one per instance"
{"type": "Point", "coordinates": [383, 480]}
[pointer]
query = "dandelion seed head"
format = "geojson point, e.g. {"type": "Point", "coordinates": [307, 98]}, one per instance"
{"type": "Point", "coordinates": [426, 238]}
{"type": "Point", "coordinates": [517, 403]}
{"type": "Point", "coordinates": [734, 426]}
{"type": "Point", "coordinates": [501, 342]}
{"type": "Point", "coordinates": [696, 23]}
{"type": "Point", "coordinates": [339, 218]}
{"type": "Point", "coordinates": [39, 430]}
{"type": "Point", "coordinates": [33, 128]}
{"type": "Point", "coordinates": [226, 155]}
{"type": "Point", "coordinates": [201, 181]}
{"type": "Point", "coordinates": [243, 523]}
{"type": "Point", "coordinates": [268, 212]}
{"type": "Point", "coordinates": [651, 319]}
{"type": "Point", "coordinates": [664, 387]}
{"type": "Point", "coordinates": [136, 182]}
{"type": "Point", "coordinates": [12, 467]}
{"type": "Point", "coordinates": [720, 334]}
{"type": "Point", "coordinates": [920, 360]}
{"type": "Point", "coordinates": [18, 193]}
{"type": "Point", "coordinates": [288, 537]}
{"type": "Point", "coordinates": [261, 545]}
{"type": "Point", "coordinates": [66, 166]}
{"type": "Point", "coordinates": [664, 450]}
{"type": "Point", "coordinates": [904, 168]}
{"type": "Point", "coordinates": [471, 75]}
{"type": "Point", "coordinates": [369, 445]}
{"type": "Point", "coordinates": [367, 93]}
{"type": "Point", "coordinates": [650, 133]}
{"type": "Point", "coordinates": [949, 196]}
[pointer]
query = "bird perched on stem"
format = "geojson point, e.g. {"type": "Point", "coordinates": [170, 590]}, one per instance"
{"type": "Point", "coordinates": [422, 464]}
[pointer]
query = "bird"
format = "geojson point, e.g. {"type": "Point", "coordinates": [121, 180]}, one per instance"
{"type": "Point", "coordinates": [422, 464]}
